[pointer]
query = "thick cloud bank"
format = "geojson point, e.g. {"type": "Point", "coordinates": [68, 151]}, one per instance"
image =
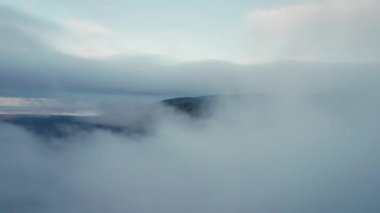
{"type": "Point", "coordinates": [288, 153]}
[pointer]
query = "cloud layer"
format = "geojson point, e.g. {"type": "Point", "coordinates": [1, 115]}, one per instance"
{"type": "Point", "coordinates": [268, 154]}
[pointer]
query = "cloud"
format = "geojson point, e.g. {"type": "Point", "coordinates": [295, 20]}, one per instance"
{"type": "Point", "coordinates": [274, 154]}
{"type": "Point", "coordinates": [303, 139]}
{"type": "Point", "coordinates": [47, 71]}
{"type": "Point", "coordinates": [94, 52]}
{"type": "Point", "coordinates": [323, 30]}
{"type": "Point", "coordinates": [89, 40]}
{"type": "Point", "coordinates": [86, 28]}
{"type": "Point", "coordinates": [28, 23]}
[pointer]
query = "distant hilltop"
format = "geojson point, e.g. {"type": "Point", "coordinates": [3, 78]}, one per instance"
{"type": "Point", "coordinates": [193, 106]}
{"type": "Point", "coordinates": [63, 125]}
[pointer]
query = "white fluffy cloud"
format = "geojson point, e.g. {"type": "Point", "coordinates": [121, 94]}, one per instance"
{"type": "Point", "coordinates": [322, 30]}
{"type": "Point", "coordinates": [269, 154]}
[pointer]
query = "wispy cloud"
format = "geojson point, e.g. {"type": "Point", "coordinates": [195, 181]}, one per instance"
{"type": "Point", "coordinates": [86, 28]}
{"type": "Point", "coordinates": [89, 40]}
{"type": "Point", "coordinates": [93, 52]}
{"type": "Point", "coordinates": [323, 30]}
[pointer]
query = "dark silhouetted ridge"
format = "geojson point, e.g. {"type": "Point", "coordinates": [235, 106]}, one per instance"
{"type": "Point", "coordinates": [193, 106]}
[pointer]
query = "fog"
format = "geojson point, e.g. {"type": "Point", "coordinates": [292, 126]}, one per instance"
{"type": "Point", "coordinates": [282, 137]}
{"type": "Point", "coordinates": [268, 153]}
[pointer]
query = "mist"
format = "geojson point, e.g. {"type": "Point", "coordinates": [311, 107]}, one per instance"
{"type": "Point", "coordinates": [295, 132]}
{"type": "Point", "coordinates": [270, 153]}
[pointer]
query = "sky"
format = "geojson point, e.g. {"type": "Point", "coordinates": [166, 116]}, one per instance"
{"type": "Point", "coordinates": [240, 31]}
{"type": "Point", "coordinates": [182, 30]}
{"type": "Point", "coordinates": [163, 48]}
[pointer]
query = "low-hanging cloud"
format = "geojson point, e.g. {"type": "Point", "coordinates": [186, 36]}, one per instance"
{"type": "Point", "coordinates": [272, 154]}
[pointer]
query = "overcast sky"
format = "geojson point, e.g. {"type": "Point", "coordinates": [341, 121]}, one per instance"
{"type": "Point", "coordinates": [180, 47]}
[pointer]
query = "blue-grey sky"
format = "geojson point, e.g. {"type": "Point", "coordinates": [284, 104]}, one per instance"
{"type": "Point", "coordinates": [175, 48]}
{"type": "Point", "coordinates": [243, 31]}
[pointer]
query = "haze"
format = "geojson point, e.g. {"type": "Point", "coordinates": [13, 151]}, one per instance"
{"type": "Point", "coordinates": [293, 126]}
